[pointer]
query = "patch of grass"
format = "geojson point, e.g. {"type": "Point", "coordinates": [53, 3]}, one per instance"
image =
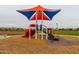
{"type": "Point", "coordinates": [76, 33]}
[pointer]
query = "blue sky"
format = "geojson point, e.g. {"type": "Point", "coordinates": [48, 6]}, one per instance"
{"type": "Point", "coordinates": [68, 17]}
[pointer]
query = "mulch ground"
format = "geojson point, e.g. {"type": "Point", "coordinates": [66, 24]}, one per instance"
{"type": "Point", "coordinates": [22, 45]}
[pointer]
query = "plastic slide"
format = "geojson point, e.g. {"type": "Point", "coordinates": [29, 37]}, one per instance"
{"type": "Point", "coordinates": [32, 32]}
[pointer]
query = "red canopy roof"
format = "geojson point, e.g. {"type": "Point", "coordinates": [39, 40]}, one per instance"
{"type": "Point", "coordinates": [39, 13]}
{"type": "Point", "coordinates": [37, 8]}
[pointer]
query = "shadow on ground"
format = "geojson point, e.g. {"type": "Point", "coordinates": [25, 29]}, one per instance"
{"type": "Point", "coordinates": [62, 42]}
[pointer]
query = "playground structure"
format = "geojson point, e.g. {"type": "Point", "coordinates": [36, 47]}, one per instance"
{"type": "Point", "coordinates": [35, 14]}
{"type": "Point", "coordinates": [40, 32]}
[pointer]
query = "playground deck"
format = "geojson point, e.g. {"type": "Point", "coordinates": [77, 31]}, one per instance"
{"type": "Point", "coordinates": [19, 44]}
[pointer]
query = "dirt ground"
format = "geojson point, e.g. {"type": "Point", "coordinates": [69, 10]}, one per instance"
{"type": "Point", "coordinates": [22, 45]}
